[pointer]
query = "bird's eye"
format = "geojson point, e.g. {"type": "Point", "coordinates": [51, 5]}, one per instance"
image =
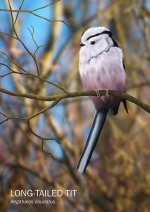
{"type": "Point", "coordinates": [92, 42]}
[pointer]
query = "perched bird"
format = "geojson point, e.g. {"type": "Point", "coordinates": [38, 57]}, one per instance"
{"type": "Point", "coordinates": [101, 67]}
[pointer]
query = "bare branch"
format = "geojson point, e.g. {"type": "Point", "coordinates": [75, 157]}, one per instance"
{"type": "Point", "coordinates": [23, 44]}
{"type": "Point", "coordinates": [11, 118]}
{"type": "Point", "coordinates": [37, 114]}
{"type": "Point", "coordinates": [40, 137]}
{"type": "Point", "coordinates": [28, 119]}
{"type": "Point", "coordinates": [40, 8]}
{"type": "Point", "coordinates": [59, 97]}
{"type": "Point", "coordinates": [32, 36]}
{"type": "Point", "coordinates": [31, 171]}
{"type": "Point", "coordinates": [18, 12]}
{"type": "Point", "coordinates": [29, 73]}
{"type": "Point", "coordinates": [32, 12]}
{"type": "Point", "coordinates": [12, 61]}
{"type": "Point", "coordinates": [47, 153]}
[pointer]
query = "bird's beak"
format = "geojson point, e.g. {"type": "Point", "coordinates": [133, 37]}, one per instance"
{"type": "Point", "coordinates": [82, 44]}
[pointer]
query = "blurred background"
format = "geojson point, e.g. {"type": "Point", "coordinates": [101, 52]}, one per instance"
{"type": "Point", "coordinates": [118, 177]}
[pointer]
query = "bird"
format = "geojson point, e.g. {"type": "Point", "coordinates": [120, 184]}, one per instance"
{"type": "Point", "coordinates": [101, 67]}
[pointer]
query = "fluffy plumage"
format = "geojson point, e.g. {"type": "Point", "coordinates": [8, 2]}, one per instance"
{"type": "Point", "coordinates": [101, 67]}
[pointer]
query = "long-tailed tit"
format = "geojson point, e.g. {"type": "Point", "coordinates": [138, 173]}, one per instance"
{"type": "Point", "coordinates": [101, 68]}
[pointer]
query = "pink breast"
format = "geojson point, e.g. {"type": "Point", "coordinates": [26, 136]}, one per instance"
{"type": "Point", "coordinates": [109, 80]}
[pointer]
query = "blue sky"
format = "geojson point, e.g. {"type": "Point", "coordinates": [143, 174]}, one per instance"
{"type": "Point", "coordinates": [42, 29]}
{"type": "Point", "coordinates": [41, 26]}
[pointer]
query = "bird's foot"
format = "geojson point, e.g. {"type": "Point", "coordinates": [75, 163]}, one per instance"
{"type": "Point", "coordinates": [107, 92]}
{"type": "Point", "coordinates": [98, 93]}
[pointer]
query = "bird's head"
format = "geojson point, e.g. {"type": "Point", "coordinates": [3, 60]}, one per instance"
{"type": "Point", "coordinates": [94, 41]}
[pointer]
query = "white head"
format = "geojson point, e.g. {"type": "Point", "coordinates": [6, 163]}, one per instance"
{"type": "Point", "coordinates": [94, 41]}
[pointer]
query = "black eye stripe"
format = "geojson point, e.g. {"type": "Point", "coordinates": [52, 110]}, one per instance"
{"type": "Point", "coordinates": [104, 32]}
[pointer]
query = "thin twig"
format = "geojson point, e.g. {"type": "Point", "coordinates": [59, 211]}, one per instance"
{"type": "Point", "coordinates": [43, 7]}
{"type": "Point", "coordinates": [29, 73]}
{"type": "Point", "coordinates": [40, 137]}
{"type": "Point", "coordinates": [47, 153]}
{"type": "Point", "coordinates": [32, 36]}
{"type": "Point", "coordinates": [39, 113]}
{"type": "Point", "coordinates": [30, 171]}
{"type": "Point", "coordinates": [23, 44]}
{"type": "Point", "coordinates": [12, 61]}
{"type": "Point", "coordinates": [28, 119]}
{"type": "Point", "coordinates": [33, 13]}
{"type": "Point", "coordinates": [18, 12]}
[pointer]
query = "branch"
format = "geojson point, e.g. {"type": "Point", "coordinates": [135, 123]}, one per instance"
{"type": "Point", "coordinates": [28, 119]}
{"type": "Point", "coordinates": [33, 13]}
{"type": "Point", "coordinates": [18, 38]}
{"type": "Point", "coordinates": [46, 153]}
{"type": "Point", "coordinates": [18, 12]}
{"type": "Point", "coordinates": [31, 171]}
{"type": "Point", "coordinates": [59, 97]}
{"type": "Point", "coordinates": [40, 137]}
{"type": "Point", "coordinates": [26, 72]}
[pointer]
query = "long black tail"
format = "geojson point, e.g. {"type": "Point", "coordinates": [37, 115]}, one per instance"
{"type": "Point", "coordinates": [92, 139]}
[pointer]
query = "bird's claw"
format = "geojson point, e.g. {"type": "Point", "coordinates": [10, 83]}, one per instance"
{"type": "Point", "coordinates": [98, 93]}
{"type": "Point", "coordinates": [107, 92]}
